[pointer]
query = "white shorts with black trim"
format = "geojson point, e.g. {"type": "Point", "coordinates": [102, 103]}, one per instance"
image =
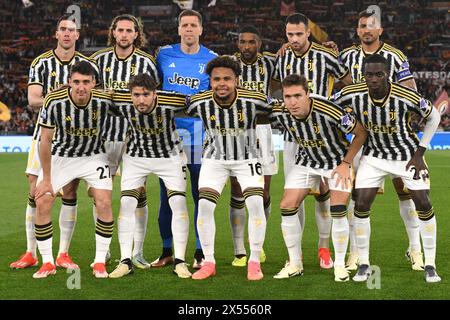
{"type": "Point", "coordinates": [357, 161]}
{"type": "Point", "coordinates": [267, 157]}
{"type": "Point", "coordinates": [289, 157]}
{"type": "Point", "coordinates": [215, 173]}
{"type": "Point", "coordinates": [372, 172]}
{"type": "Point", "coordinates": [115, 151]}
{"type": "Point", "coordinates": [171, 170]}
{"type": "Point", "coordinates": [301, 177]}
{"type": "Point", "coordinates": [93, 169]}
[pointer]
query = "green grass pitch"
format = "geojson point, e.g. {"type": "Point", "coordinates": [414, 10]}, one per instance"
{"type": "Point", "coordinates": [388, 245]}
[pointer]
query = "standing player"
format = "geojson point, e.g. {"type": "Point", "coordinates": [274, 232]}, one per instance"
{"type": "Point", "coordinates": [320, 67]}
{"type": "Point", "coordinates": [257, 72]}
{"type": "Point", "coordinates": [182, 69]}
{"type": "Point", "coordinates": [153, 147]}
{"type": "Point", "coordinates": [229, 116]}
{"type": "Point", "coordinates": [73, 120]}
{"type": "Point", "coordinates": [48, 72]}
{"type": "Point", "coordinates": [319, 127]}
{"type": "Point", "coordinates": [119, 63]}
{"type": "Point", "coordinates": [392, 148]}
{"type": "Point", "coordinates": [369, 31]}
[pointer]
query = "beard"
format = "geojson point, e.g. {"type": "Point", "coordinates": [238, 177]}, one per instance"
{"type": "Point", "coordinates": [128, 45]}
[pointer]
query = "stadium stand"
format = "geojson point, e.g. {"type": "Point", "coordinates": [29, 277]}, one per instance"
{"type": "Point", "coordinates": [418, 28]}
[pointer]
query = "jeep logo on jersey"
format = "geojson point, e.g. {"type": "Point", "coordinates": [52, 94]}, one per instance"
{"type": "Point", "coordinates": [192, 83]}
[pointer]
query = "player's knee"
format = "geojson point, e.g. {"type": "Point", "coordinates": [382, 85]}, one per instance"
{"type": "Point", "coordinates": [362, 204]}
{"type": "Point", "coordinates": [286, 204]}
{"type": "Point", "coordinates": [235, 188]}
{"type": "Point", "coordinates": [127, 202]}
{"type": "Point", "coordinates": [103, 205]}
{"type": "Point", "coordinates": [422, 204]}
{"type": "Point", "coordinates": [44, 205]}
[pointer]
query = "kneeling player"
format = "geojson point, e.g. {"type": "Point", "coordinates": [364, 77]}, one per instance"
{"type": "Point", "coordinates": [229, 116]}
{"type": "Point", "coordinates": [392, 149]}
{"type": "Point", "coordinates": [153, 147]}
{"type": "Point", "coordinates": [319, 127]}
{"type": "Point", "coordinates": [77, 116]}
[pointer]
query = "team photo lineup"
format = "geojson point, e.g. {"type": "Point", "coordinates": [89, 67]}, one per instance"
{"type": "Point", "coordinates": [347, 118]}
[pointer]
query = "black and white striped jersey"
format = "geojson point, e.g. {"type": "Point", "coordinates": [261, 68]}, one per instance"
{"type": "Point", "coordinates": [153, 134]}
{"type": "Point", "coordinates": [50, 72]}
{"type": "Point", "coordinates": [388, 121]}
{"type": "Point", "coordinates": [116, 74]}
{"type": "Point", "coordinates": [230, 129]}
{"type": "Point", "coordinates": [352, 58]}
{"type": "Point", "coordinates": [78, 129]}
{"type": "Point", "coordinates": [321, 135]}
{"type": "Point", "coordinates": [256, 76]}
{"type": "Point", "coordinates": [318, 64]}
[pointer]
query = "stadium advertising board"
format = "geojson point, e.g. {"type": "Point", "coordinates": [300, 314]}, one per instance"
{"type": "Point", "coordinates": [8, 144]}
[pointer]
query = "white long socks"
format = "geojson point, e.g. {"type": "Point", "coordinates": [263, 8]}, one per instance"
{"type": "Point", "coordinates": [180, 225]}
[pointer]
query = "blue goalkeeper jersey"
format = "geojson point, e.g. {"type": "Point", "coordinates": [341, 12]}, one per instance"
{"type": "Point", "coordinates": [186, 73]}
{"type": "Point", "coordinates": [181, 72]}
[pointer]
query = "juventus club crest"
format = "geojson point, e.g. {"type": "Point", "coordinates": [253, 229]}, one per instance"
{"type": "Point", "coordinates": [241, 116]}
{"type": "Point", "coordinates": [133, 70]}
{"type": "Point", "coordinates": [392, 115]}
{"type": "Point", "coordinates": [261, 69]}
{"type": "Point", "coordinates": [316, 128]}
{"type": "Point", "coordinates": [201, 68]}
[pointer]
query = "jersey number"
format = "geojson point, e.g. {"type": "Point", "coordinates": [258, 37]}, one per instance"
{"type": "Point", "coordinates": [256, 167]}
{"type": "Point", "coordinates": [102, 172]}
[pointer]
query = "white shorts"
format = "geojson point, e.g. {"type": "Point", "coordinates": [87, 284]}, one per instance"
{"type": "Point", "coordinates": [94, 170]}
{"type": "Point", "coordinates": [372, 172]}
{"type": "Point", "coordinates": [267, 154]}
{"type": "Point", "coordinates": [171, 170]}
{"type": "Point", "coordinates": [289, 155]}
{"type": "Point", "coordinates": [34, 163]}
{"type": "Point", "coordinates": [301, 177]}
{"type": "Point", "coordinates": [214, 174]}
{"type": "Point", "coordinates": [289, 152]}
{"type": "Point", "coordinates": [114, 150]}
{"type": "Point", "coordinates": [356, 162]}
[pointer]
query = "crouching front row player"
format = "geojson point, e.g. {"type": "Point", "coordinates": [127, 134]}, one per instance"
{"type": "Point", "coordinates": [319, 128]}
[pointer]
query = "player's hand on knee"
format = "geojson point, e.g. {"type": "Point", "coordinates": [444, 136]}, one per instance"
{"type": "Point", "coordinates": [418, 166]}
{"type": "Point", "coordinates": [43, 188]}
{"type": "Point", "coordinates": [343, 177]}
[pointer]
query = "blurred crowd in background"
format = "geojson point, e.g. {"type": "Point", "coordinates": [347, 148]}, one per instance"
{"type": "Point", "coordinates": [419, 28]}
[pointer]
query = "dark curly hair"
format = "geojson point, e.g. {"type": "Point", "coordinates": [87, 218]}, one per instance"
{"type": "Point", "coordinates": [224, 62]}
